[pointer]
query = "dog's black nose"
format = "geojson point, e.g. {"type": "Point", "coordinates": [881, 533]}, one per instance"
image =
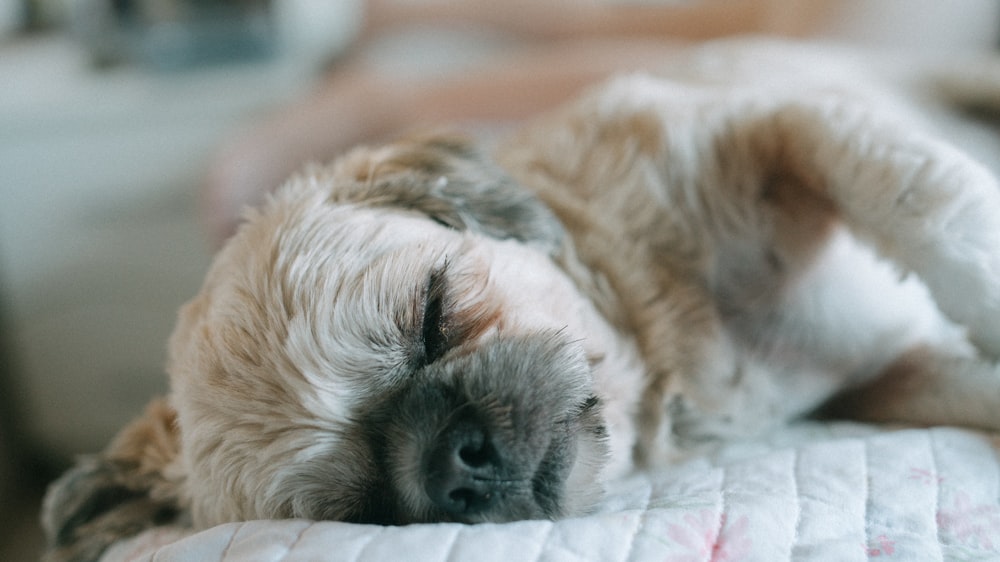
{"type": "Point", "coordinates": [464, 471]}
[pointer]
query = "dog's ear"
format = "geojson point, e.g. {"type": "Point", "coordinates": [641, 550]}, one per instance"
{"type": "Point", "coordinates": [119, 493]}
{"type": "Point", "coordinates": [447, 179]}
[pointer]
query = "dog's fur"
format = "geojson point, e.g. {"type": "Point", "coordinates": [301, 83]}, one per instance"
{"type": "Point", "coordinates": [415, 333]}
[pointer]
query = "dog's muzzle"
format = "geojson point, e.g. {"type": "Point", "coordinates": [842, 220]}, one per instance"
{"type": "Point", "coordinates": [492, 434]}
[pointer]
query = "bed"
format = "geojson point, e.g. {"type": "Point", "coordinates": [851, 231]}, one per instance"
{"type": "Point", "coordinates": [813, 491]}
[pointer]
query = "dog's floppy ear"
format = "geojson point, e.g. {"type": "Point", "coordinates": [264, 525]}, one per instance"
{"type": "Point", "coordinates": [446, 178]}
{"type": "Point", "coordinates": [118, 493]}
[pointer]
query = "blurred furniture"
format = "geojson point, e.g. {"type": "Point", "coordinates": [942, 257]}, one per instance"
{"type": "Point", "coordinates": [99, 240]}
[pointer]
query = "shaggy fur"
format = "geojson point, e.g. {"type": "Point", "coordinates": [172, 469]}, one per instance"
{"type": "Point", "coordinates": [416, 334]}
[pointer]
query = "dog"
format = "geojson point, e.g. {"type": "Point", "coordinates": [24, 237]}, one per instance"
{"type": "Point", "coordinates": [421, 332]}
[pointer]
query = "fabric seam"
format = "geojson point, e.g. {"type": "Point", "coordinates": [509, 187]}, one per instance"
{"type": "Point", "coordinates": [640, 523]}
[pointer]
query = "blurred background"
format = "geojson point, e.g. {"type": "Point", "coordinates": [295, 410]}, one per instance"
{"type": "Point", "coordinates": [110, 113]}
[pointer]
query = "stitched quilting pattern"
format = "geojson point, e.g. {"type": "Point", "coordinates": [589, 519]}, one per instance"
{"type": "Point", "coordinates": [812, 492]}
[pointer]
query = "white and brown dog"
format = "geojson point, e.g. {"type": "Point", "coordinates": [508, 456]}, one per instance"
{"type": "Point", "coordinates": [417, 333]}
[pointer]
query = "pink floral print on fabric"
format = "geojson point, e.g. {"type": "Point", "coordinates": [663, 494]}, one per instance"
{"type": "Point", "coordinates": [973, 525]}
{"type": "Point", "coordinates": [880, 546]}
{"type": "Point", "coordinates": [925, 476]}
{"type": "Point", "coordinates": [961, 522]}
{"type": "Point", "coordinates": [704, 535]}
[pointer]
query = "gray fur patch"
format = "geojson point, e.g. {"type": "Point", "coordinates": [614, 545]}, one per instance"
{"type": "Point", "coordinates": [449, 181]}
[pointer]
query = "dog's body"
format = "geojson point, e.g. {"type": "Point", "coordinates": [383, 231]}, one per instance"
{"type": "Point", "coordinates": [415, 334]}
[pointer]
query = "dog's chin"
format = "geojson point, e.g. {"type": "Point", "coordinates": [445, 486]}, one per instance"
{"type": "Point", "coordinates": [509, 431]}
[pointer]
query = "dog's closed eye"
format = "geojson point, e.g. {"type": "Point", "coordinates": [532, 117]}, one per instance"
{"type": "Point", "coordinates": [434, 332]}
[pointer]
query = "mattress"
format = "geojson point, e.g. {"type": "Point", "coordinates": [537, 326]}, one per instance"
{"type": "Point", "coordinates": [810, 491]}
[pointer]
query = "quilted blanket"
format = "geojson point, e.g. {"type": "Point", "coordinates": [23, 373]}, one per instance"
{"type": "Point", "coordinates": [812, 491]}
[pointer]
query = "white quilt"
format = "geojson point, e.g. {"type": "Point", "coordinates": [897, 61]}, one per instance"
{"type": "Point", "coordinates": [810, 492]}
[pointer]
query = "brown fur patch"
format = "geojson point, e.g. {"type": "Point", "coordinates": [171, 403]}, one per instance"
{"type": "Point", "coordinates": [150, 444]}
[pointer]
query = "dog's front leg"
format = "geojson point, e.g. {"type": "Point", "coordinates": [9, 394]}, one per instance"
{"type": "Point", "coordinates": [922, 203]}
{"type": "Point", "coordinates": [737, 392]}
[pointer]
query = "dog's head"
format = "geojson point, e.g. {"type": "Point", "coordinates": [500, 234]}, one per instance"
{"type": "Point", "coordinates": [388, 340]}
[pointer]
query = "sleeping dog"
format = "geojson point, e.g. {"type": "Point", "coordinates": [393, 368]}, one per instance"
{"type": "Point", "coordinates": [419, 332]}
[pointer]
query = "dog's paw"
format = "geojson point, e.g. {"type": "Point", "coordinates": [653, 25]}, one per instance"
{"type": "Point", "coordinates": [693, 427]}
